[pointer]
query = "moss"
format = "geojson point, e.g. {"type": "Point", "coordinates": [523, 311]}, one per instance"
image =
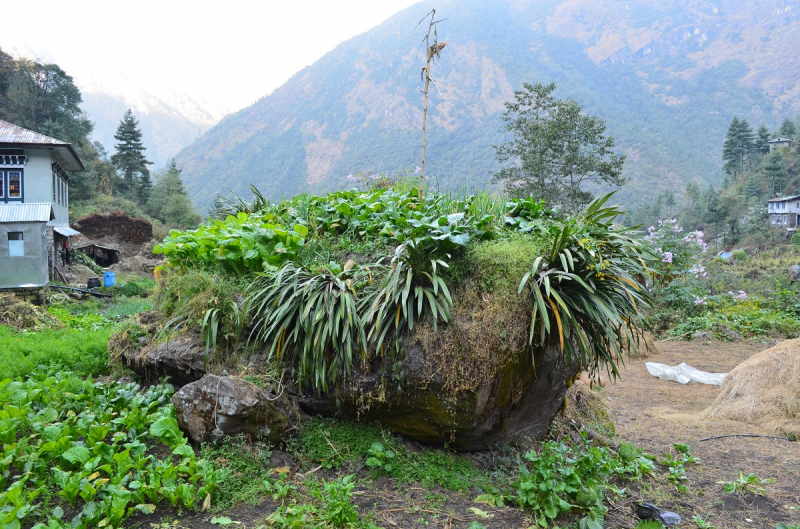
{"type": "Point", "coordinates": [498, 266]}
{"type": "Point", "coordinates": [489, 319]}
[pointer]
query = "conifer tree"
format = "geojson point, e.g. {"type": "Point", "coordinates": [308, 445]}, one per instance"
{"type": "Point", "coordinates": [762, 139]}
{"type": "Point", "coordinates": [730, 150]}
{"type": "Point", "coordinates": [775, 173]}
{"type": "Point", "coordinates": [129, 159]}
{"type": "Point", "coordinates": [788, 129]}
{"type": "Point", "coordinates": [752, 189]}
{"type": "Point", "coordinates": [169, 201]}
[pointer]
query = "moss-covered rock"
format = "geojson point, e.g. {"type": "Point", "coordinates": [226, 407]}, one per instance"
{"type": "Point", "coordinates": [473, 382]}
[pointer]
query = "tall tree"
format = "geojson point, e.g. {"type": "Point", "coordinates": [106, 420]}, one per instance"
{"type": "Point", "coordinates": [775, 173]}
{"type": "Point", "coordinates": [555, 149]}
{"type": "Point", "coordinates": [737, 147]}
{"type": "Point", "coordinates": [752, 189]}
{"type": "Point", "coordinates": [169, 201]}
{"type": "Point", "coordinates": [129, 159]}
{"type": "Point", "coordinates": [730, 148]}
{"type": "Point", "coordinates": [788, 129]}
{"type": "Point", "coordinates": [761, 144]}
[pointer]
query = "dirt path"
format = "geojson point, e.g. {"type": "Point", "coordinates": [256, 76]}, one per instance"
{"type": "Point", "coordinates": [654, 414]}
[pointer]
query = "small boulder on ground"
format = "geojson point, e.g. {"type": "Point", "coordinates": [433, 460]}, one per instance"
{"type": "Point", "coordinates": [214, 407]}
{"type": "Point", "coordinates": [703, 336]}
{"type": "Point", "coordinates": [181, 358]}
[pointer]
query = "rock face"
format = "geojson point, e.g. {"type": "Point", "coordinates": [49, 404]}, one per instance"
{"type": "Point", "coordinates": [519, 399]}
{"type": "Point", "coordinates": [214, 407]}
{"type": "Point", "coordinates": [181, 358]}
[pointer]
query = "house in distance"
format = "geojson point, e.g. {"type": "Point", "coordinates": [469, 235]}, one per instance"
{"type": "Point", "coordinates": [34, 206]}
{"type": "Point", "coordinates": [784, 212]}
{"type": "Point", "coordinates": [777, 143]}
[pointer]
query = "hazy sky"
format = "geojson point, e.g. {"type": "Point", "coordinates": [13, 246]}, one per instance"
{"type": "Point", "coordinates": [228, 52]}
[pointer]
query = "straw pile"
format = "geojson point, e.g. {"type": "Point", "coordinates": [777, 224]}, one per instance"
{"type": "Point", "coordinates": [764, 390]}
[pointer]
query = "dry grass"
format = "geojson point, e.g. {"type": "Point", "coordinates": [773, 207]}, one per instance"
{"type": "Point", "coordinates": [483, 336]}
{"type": "Point", "coordinates": [21, 315]}
{"type": "Point", "coordinates": [764, 390]}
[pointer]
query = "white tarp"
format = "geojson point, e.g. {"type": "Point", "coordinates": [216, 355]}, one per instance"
{"type": "Point", "coordinates": [684, 374]}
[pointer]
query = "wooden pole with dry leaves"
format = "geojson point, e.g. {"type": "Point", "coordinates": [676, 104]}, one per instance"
{"type": "Point", "coordinates": [431, 51]}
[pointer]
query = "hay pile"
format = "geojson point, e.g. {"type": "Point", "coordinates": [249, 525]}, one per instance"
{"type": "Point", "coordinates": [764, 390]}
{"type": "Point", "coordinates": [21, 315]}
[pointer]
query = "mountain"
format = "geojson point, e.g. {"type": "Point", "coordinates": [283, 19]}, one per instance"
{"type": "Point", "coordinates": [666, 75]}
{"type": "Point", "coordinates": [169, 120]}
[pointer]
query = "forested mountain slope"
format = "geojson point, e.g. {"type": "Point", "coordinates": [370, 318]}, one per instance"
{"type": "Point", "coordinates": [666, 76]}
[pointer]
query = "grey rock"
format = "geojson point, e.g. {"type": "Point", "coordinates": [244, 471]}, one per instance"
{"type": "Point", "coordinates": [181, 358]}
{"type": "Point", "coordinates": [215, 407]}
{"type": "Point", "coordinates": [703, 336]}
{"type": "Point", "coordinates": [520, 400]}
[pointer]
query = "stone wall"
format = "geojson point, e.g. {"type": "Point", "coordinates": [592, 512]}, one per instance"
{"type": "Point", "coordinates": [32, 295]}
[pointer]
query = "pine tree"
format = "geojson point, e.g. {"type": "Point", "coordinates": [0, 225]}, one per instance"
{"type": "Point", "coordinates": [775, 173]}
{"type": "Point", "coordinates": [762, 139]}
{"type": "Point", "coordinates": [752, 189]}
{"type": "Point", "coordinates": [169, 201]}
{"type": "Point", "coordinates": [745, 141]}
{"type": "Point", "coordinates": [129, 159]}
{"type": "Point", "coordinates": [730, 149]}
{"type": "Point", "coordinates": [788, 129]}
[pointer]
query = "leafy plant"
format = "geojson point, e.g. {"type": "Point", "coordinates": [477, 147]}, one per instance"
{"type": "Point", "coordinates": [676, 471]}
{"type": "Point", "coordinates": [311, 319]}
{"type": "Point", "coordinates": [381, 457]}
{"type": "Point", "coordinates": [410, 286]}
{"type": "Point", "coordinates": [586, 292]}
{"type": "Point", "coordinates": [88, 443]}
{"type": "Point", "coordinates": [336, 497]}
{"type": "Point", "coordinates": [702, 524]}
{"type": "Point", "coordinates": [560, 478]}
{"type": "Point", "coordinates": [749, 482]}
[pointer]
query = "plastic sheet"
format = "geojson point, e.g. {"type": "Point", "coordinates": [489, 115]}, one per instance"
{"type": "Point", "coordinates": [684, 374]}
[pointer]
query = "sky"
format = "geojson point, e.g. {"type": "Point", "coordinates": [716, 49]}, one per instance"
{"type": "Point", "coordinates": [226, 53]}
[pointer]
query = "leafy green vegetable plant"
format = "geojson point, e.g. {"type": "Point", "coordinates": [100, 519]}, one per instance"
{"type": "Point", "coordinates": [89, 444]}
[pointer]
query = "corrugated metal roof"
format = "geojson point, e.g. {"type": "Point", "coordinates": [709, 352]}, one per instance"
{"type": "Point", "coordinates": [10, 133]}
{"type": "Point", "coordinates": [781, 140]}
{"type": "Point", "coordinates": [784, 199]}
{"type": "Point", "coordinates": [66, 231]}
{"type": "Point", "coordinates": [26, 212]}
{"type": "Point", "coordinates": [16, 135]}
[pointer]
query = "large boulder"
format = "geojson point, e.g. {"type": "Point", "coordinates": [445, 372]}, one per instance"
{"type": "Point", "coordinates": [181, 357]}
{"type": "Point", "coordinates": [214, 407]}
{"type": "Point", "coordinates": [519, 398]}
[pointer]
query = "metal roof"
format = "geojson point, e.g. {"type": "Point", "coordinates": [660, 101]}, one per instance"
{"type": "Point", "coordinates": [26, 212]}
{"type": "Point", "coordinates": [66, 231]}
{"type": "Point", "coordinates": [780, 140]}
{"type": "Point", "coordinates": [784, 199]}
{"type": "Point", "coordinates": [66, 156]}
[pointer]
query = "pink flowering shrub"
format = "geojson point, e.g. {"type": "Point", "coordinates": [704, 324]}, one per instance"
{"type": "Point", "coordinates": [678, 252]}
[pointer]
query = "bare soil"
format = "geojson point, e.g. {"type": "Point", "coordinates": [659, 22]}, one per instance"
{"type": "Point", "coordinates": [653, 414]}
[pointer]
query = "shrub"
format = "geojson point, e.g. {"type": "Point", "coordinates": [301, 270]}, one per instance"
{"type": "Point", "coordinates": [203, 300]}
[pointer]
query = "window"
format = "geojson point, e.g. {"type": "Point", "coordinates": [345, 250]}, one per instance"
{"type": "Point", "coordinates": [10, 185]}
{"type": "Point", "coordinates": [16, 246]}
{"type": "Point", "coordinates": [54, 186]}
{"type": "Point", "coordinates": [15, 184]}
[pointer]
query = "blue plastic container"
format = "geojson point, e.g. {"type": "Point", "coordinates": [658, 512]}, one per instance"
{"type": "Point", "coordinates": [108, 279]}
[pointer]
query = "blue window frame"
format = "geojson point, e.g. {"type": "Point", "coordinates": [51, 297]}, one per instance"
{"type": "Point", "coordinates": [12, 187]}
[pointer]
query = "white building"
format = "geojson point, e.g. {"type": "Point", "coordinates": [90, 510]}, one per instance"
{"type": "Point", "coordinates": [785, 211]}
{"type": "Point", "coordinates": [34, 205]}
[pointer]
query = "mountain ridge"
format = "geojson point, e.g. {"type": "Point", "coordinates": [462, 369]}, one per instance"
{"type": "Point", "coordinates": [655, 74]}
